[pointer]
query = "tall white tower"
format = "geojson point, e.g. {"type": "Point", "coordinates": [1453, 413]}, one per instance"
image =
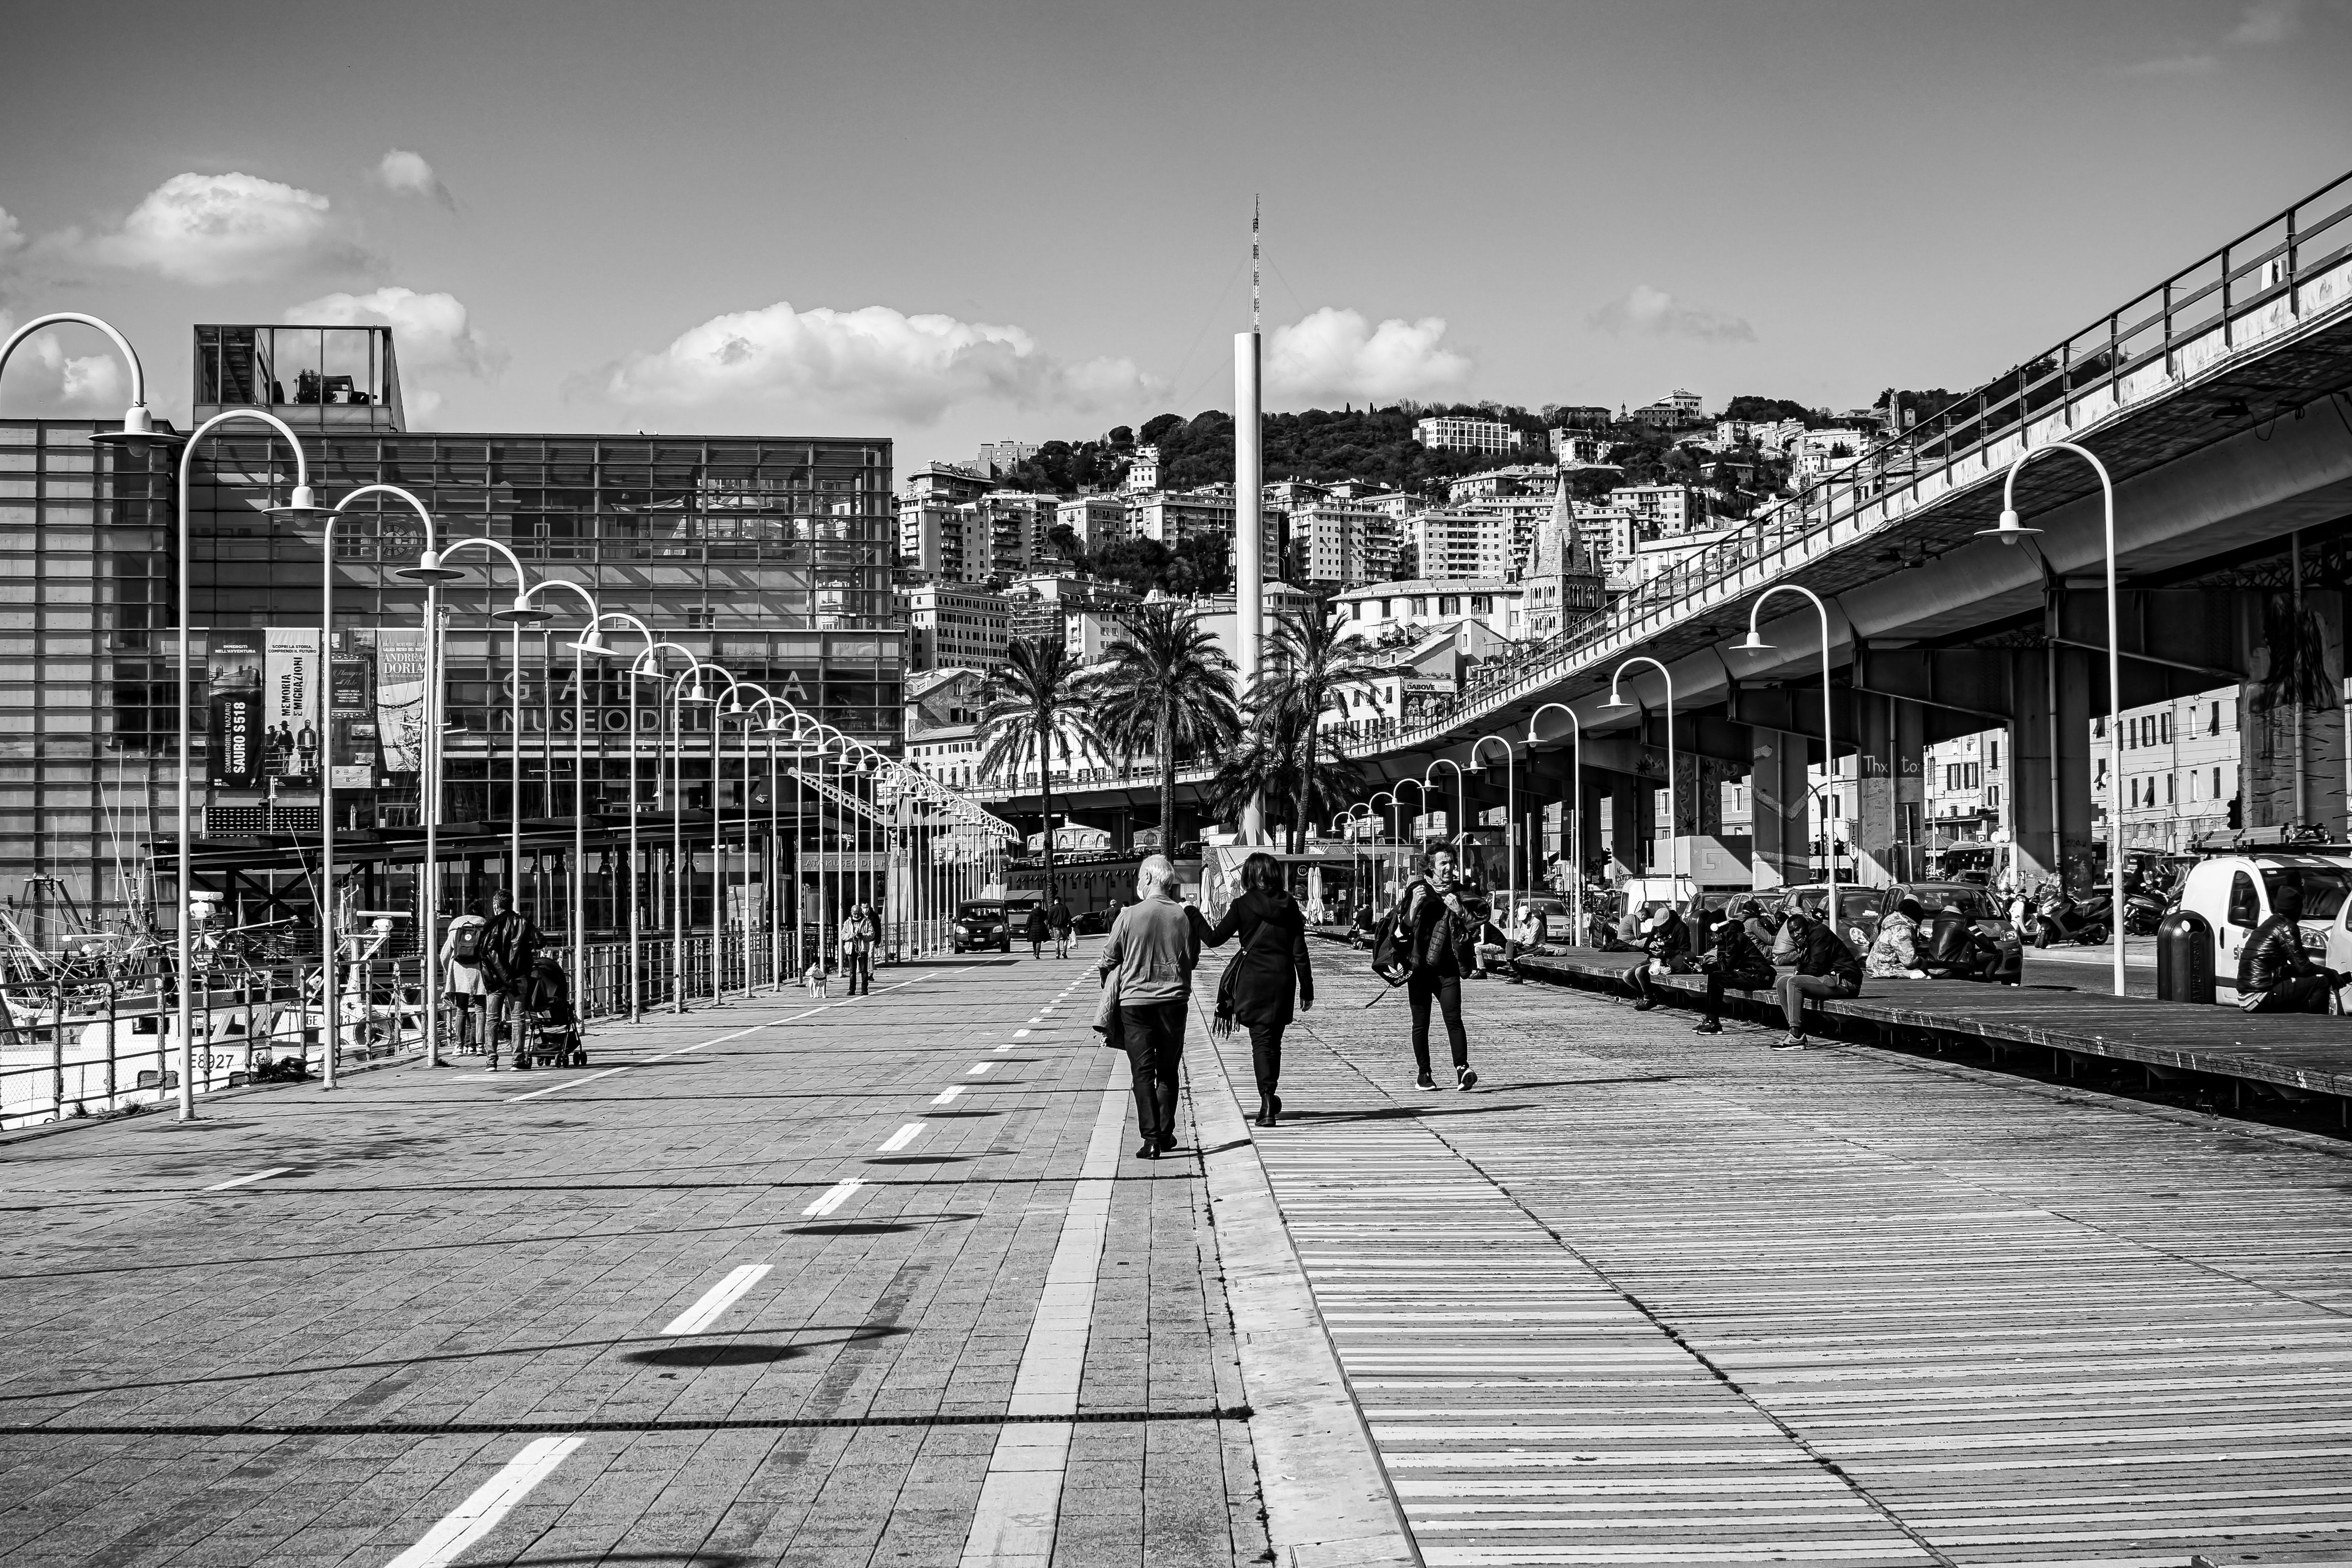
{"type": "Point", "coordinates": [1249, 490]}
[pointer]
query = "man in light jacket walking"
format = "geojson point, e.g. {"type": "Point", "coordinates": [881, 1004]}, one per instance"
{"type": "Point", "coordinates": [859, 932]}
{"type": "Point", "coordinates": [1153, 950]}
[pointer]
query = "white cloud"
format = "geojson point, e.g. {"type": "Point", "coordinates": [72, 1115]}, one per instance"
{"type": "Point", "coordinates": [12, 235]}
{"type": "Point", "coordinates": [2269, 22]}
{"type": "Point", "coordinates": [433, 336]}
{"type": "Point", "coordinates": [1338, 355]}
{"type": "Point", "coordinates": [408, 175]}
{"type": "Point", "coordinates": [1653, 313]}
{"type": "Point", "coordinates": [227, 229]}
{"type": "Point", "coordinates": [874, 362]}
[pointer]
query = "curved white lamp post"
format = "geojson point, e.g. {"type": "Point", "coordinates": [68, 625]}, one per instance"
{"type": "Point", "coordinates": [1756, 644]}
{"type": "Point", "coordinates": [2010, 531]}
{"type": "Point", "coordinates": [1672, 780]}
{"type": "Point", "coordinates": [1575, 812]}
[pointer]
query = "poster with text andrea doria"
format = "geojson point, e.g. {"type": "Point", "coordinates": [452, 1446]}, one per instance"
{"type": "Point", "coordinates": [233, 667]}
{"type": "Point", "coordinates": [400, 698]}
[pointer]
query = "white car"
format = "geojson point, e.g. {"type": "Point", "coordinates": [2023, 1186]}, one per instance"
{"type": "Point", "coordinates": [2225, 896]}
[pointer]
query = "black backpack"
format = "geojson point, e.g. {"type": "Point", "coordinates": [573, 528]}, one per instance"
{"type": "Point", "coordinates": [466, 944]}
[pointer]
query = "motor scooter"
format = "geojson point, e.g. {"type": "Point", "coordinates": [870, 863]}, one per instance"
{"type": "Point", "coordinates": [2065, 919]}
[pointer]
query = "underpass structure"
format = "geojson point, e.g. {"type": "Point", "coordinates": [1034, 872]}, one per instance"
{"type": "Point", "coordinates": [2217, 399]}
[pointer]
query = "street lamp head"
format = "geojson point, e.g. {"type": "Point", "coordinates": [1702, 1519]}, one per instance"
{"type": "Point", "coordinates": [301, 504]}
{"type": "Point", "coordinates": [591, 644]}
{"type": "Point", "coordinates": [138, 432]}
{"type": "Point", "coordinates": [523, 613]}
{"type": "Point", "coordinates": [2010, 531]}
{"type": "Point", "coordinates": [696, 694]}
{"type": "Point", "coordinates": [1615, 701]}
{"type": "Point", "coordinates": [1755, 643]}
{"type": "Point", "coordinates": [428, 569]}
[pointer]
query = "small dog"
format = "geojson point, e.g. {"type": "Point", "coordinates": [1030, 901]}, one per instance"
{"type": "Point", "coordinates": [814, 980]}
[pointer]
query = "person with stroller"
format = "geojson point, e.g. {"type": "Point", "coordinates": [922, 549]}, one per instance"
{"type": "Point", "coordinates": [511, 943]}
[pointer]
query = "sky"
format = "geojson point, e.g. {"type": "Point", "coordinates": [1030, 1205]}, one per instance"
{"type": "Point", "coordinates": [946, 223]}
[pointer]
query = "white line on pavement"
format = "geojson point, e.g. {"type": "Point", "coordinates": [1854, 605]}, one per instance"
{"type": "Point", "coordinates": [1001, 1049]}
{"type": "Point", "coordinates": [901, 1138]}
{"type": "Point", "coordinates": [480, 1514]}
{"type": "Point", "coordinates": [833, 1194]}
{"type": "Point", "coordinates": [256, 1176]}
{"type": "Point", "coordinates": [716, 1299]}
{"type": "Point", "coordinates": [1019, 1034]}
{"type": "Point", "coordinates": [947, 1095]}
{"type": "Point", "coordinates": [699, 1044]}
{"type": "Point", "coordinates": [980, 1070]}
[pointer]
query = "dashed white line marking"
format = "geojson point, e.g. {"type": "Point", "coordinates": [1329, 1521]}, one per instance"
{"type": "Point", "coordinates": [480, 1514]}
{"type": "Point", "coordinates": [980, 1070]}
{"type": "Point", "coordinates": [716, 1299]}
{"type": "Point", "coordinates": [256, 1176]}
{"type": "Point", "coordinates": [833, 1195]}
{"type": "Point", "coordinates": [947, 1095]}
{"type": "Point", "coordinates": [901, 1138]}
{"type": "Point", "coordinates": [1019, 1034]}
{"type": "Point", "coordinates": [1001, 1049]}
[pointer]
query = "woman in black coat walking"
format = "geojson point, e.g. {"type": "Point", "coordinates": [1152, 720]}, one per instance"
{"type": "Point", "coordinates": [1271, 966]}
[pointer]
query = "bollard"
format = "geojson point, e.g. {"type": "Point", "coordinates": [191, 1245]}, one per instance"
{"type": "Point", "coordinates": [57, 1051]}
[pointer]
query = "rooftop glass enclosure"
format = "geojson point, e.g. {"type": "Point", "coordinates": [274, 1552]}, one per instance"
{"type": "Point", "coordinates": [343, 377]}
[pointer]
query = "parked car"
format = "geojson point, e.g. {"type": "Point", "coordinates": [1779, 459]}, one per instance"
{"type": "Point", "coordinates": [984, 924]}
{"type": "Point", "coordinates": [1559, 924]}
{"type": "Point", "coordinates": [1862, 910]}
{"type": "Point", "coordinates": [2225, 896]}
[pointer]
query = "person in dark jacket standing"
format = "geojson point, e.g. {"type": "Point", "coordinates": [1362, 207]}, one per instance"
{"type": "Point", "coordinates": [1439, 930]}
{"type": "Point", "coordinates": [1270, 967]}
{"type": "Point", "coordinates": [1734, 962]}
{"type": "Point", "coordinates": [1035, 931]}
{"type": "Point", "coordinates": [1061, 919]}
{"type": "Point", "coordinates": [509, 946]}
{"type": "Point", "coordinates": [1825, 967]}
{"type": "Point", "coordinates": [2275, 975]}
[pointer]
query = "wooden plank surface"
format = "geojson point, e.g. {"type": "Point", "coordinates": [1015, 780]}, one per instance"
{"type": "Point", "coordinates": [1650, 1298]}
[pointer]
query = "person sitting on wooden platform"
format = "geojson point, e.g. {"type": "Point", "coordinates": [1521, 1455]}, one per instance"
{"type": "Point", "coordinates": [2275, 974]}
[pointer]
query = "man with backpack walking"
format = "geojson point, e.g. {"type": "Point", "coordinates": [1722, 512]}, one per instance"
{"type": "Point", "coordinates": [510, 946]}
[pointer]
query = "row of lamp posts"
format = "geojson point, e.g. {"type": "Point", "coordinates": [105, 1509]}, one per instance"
{"type": "Point", "coordinates": [927, 898]}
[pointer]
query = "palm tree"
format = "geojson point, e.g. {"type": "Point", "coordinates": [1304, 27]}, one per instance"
{"type": "Point", "coordinates": [1167, 686]}
{"type": "Point", "coordinates": [1309, 672]}
{"type": "Point", "coordinates": [1036, 707]}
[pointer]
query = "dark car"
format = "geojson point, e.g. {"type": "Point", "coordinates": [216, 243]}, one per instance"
{"type": "Point", "coordinates": [1090, 922]}
{"type": "Point", "coordinates": [983, 922]}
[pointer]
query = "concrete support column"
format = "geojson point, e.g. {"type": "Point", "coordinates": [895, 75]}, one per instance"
{"type": "Point", "coordinates": [1626, 808]}
{"type": "Point", "coordinates": [1889, 801]}
{"type": "Point", "coordinates": [2290, 709]}
{"type": "Point", "coordinates": [1781, 808]}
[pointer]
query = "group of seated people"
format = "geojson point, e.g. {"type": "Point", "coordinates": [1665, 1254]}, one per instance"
{"type": "Point", "coordinates": [1797, 953]}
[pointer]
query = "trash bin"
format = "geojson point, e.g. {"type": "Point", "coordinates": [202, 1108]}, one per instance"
{"type": "Point", "coordinates": [2184, 957]}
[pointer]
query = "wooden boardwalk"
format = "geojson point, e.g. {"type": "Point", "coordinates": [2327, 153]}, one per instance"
{"type": "Point", "coordinates": [1650, 1298]}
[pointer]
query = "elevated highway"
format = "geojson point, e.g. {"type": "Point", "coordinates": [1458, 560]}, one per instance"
{"type": "Point", "coordinates": [2216, 399]}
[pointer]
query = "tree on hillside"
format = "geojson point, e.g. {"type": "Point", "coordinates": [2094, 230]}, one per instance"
{"type": "Point", "coordinates": [1764, 410]}
{"type": "Point", "coordinates": [1165, 685]}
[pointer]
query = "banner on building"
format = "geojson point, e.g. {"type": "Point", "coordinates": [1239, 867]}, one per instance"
{"type": "Point", "coordinates": [233, 671]}
{"type": "Point", "coordinates": [290, 705]}
{"type": "Point", "coordinates": [400, 698]}
{"type": "Point", "coordinates": [352, 761]}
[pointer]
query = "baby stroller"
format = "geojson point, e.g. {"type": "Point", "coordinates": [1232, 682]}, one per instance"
{"type": "Point", "coordinates": [551, 1031]}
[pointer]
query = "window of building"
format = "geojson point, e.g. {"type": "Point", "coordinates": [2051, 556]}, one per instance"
{"type": "Point", "coordinates": [2217, 783]}
{"type": "Point", "coordinates": [2168, 795]}
{"type": "Point", "coordinates": [2213, 725]}
{"type": "Point", "coordinates": [1992, 798]}
{"type": "Point", "coordinates": [1420, 606]}
{"type": "Point", "coordinates": [1992, 753]}
{"type": "Point", "coordinates": [2164, 729]}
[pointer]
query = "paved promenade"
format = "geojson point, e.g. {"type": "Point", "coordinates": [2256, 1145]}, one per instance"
{"type": "Point", "coordinates": [877, 1281]}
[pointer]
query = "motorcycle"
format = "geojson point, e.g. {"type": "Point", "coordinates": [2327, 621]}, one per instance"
{"type": "Point", "coordinates": [2143, 912]}
{"type": "Point", "coordinates": [2065, 919]}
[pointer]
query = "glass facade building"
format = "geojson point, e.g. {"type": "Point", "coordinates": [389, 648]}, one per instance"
{"type": "Point", "coordinates": [770, 556]}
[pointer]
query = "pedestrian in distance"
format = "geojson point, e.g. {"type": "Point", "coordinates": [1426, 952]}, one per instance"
{"type": "Point", "coordinates": [859, 932]}
{"type": "Point", "coordinates": [1733, 960]}
{"type": "Point", "coordinates": [1150, 954]}
{"type": "Point", "coordinates": [1825, 968]}
{"type": "Point", "coordinates": [1435, 931]}
{"type": "Point", "coordinates": [1271, 968]}
{"type": "Point", "coordinates": [1061, 920]}
{"type": "Point", "coordinates": [510, 944]}
{"type": "Point", "coordinates": [2274, 973]}
{"type": "Point", "coordinates": [1036, 928]}
{"type": "Point", "coordinates": [1666, 941]}
{"type": "Point", "coordinates": [464, 980]}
